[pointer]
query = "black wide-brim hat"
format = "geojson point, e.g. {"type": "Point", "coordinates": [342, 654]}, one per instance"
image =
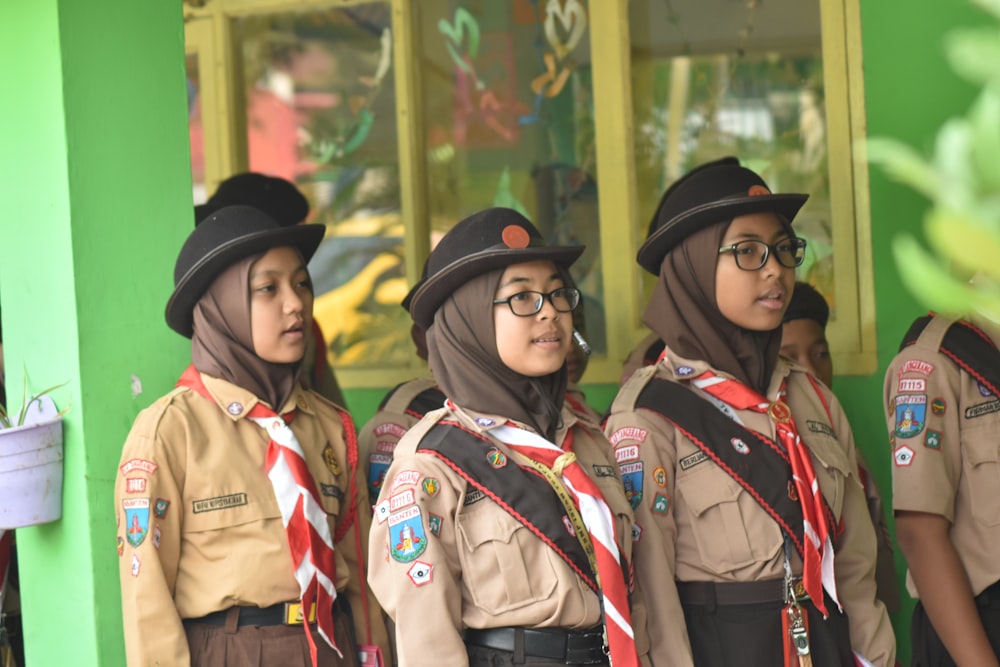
{"type": "Point", "coordinates": [225, 237]}
{"type": "Point", "coordinates": [277, 197]}
{"type": "Point", "coordinates": [491, 239]}
{"type": "Point", "coordinates": [717, 192]}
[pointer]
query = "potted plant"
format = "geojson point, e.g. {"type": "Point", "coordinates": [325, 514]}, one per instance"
{"type": "Point", "coordinates": [31, 455]}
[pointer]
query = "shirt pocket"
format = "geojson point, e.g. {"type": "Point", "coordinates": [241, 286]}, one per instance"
{"type": "Point", "coordinates": [982, 455]}
{"type": "Point", "coordinates": [494, 569]}
{"type": "Point", "coordinates": [832, 473]}
{"type": "Point", "coordinates": [720, 530]}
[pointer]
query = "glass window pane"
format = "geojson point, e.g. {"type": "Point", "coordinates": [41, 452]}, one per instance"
{"type": "Point", "coordinates": [508, 114]}
{"type": "Point", "coordinates": [719, 77]}
{"type": "Point", "coordinates": [321, 111]}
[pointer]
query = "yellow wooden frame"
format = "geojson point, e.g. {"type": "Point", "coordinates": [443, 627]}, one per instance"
{"type": "Point", "coordinates": [851, 333]}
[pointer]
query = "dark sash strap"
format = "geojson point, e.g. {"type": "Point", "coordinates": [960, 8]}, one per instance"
{"type": "Point", "coordinates": [764, 471]}
{"type": "Point", "coordinates": [427, 400]}
{"type": "Point", "coordinates": [967, 346]}
{"type": "Point", "coordinates": [522, 494]}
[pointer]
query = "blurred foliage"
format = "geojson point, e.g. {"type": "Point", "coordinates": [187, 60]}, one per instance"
{"type": "Point", "coordinates": [962, 180]}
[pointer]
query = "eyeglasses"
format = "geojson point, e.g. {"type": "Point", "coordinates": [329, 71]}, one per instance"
{"type": "Point", "coordinates": [751, 255]}
{"type": "Point", "coordinates": [526, 304]}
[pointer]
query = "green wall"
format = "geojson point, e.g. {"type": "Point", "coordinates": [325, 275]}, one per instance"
{"type": "Point", "coordinates": [94, 180]}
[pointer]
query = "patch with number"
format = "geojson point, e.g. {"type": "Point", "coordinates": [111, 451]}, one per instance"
{"type": "Point", "coordinates": [473, 496]}
{"type": "Point", "coordinates": [982, 409]}
{"type": "Point", "coordinates": [740, 446]}
{"type": "Point", "coordinates": [933, 439]}
{"type": "Point", "coordinates": [604, 471]}
{"type": "Point", "coordinates": [903, 456]}
{"type": "Point", "coordinates": [219, 503]}
{"type": "Point", "coordinates": [160, 508]}
{"type": "Point", "coordinates": [407, 539]}
{"type": "Point", "coordinates": [692, 460]}
{"type": "Point", "coordinates": [632, 480]}
{"type": "Point", "coordinates": [496, 458]}
{"type": "Point", "coordinates": [136, 519]}
{"type": "Point", "coordinates": [401, 500]}
{"type": "Point", "coordinates": [916, 366]}
{"type": "Point", "coordinates": [420, 573]}
{"type": "Point", "coordinates": [330, 459]}
{"type": "Point", "coordinates": [431, 486]}
{"type": "Point", "coordinates": [911, 414]}
{"type": "Point", "coordinates": [938, 407]}
{"type": "Point", "coordinates": [378, 466]}
{"type": "Point", "coordinates": [633, 433]}
{"type": "Point", "coordinates": [135, 484]}
{"type": "Point", "coordinates": [912, 385]}
{"type": "Point", "coordinates": [627, 453]}
{"type": "Point", "coordinates": [661, 503]}
{"type": "Point", "coordinates": [660, 476]}
{"type": "Point", "coordinates": [434, 524]}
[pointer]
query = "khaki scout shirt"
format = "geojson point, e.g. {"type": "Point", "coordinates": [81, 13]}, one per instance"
{"type": "Point", "coordinates": [478, 567]}
{"type": "Point", "coordinates": [946, 454]}
{"type": "Point", "coordinates": [695, 523]}
{"type": "Point", "coordinates": [199, 529]}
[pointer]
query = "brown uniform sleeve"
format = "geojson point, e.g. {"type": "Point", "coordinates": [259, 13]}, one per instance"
{"type": "Point", "coordinates": [147, 493]}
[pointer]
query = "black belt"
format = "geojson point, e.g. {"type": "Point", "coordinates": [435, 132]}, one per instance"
{"type": "Point", "coordinates": [716, 594]}
{"type": "Point", "coordinates": [276, 614]}
{"type": "Point", "coordinates": [573, 648]}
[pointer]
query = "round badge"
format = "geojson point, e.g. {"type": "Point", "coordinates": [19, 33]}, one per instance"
{"type": "Point", "coordinates": [740, 446]}
{"type": "Point", "coordinates": [684, 371]}
{"type": "Point", "coordinates": [234, 408]}
{"type": "Point", "coordinates": [431, 486]}
{"type": "Point", "coordinates": [496, 458]}
{"type": "Point", "coordinates": [515, 236]}
{"type": "Point", "coordinates": [758, 191]}
{"type": "Point", "coordinates": [938, 406]}
{"type": "Point", "coordinates": [780, 412]}
{"type": "Point", "coordinates": [485, 422]}
{"type": "Point", "coordinates": [660, 476]}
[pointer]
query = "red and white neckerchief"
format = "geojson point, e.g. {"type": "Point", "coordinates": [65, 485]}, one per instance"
{"type": "Point", "coordinates": [817, 568]}
{"type": "Point", "coordinates": [6, 537]}
{"type": "Point", "coordinates": [597, 518]}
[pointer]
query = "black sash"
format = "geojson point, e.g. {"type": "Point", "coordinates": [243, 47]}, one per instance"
{"type": "Point", "coordinates": [525, 496]}
{"type": "Point", "coordinates": [429, 399]}
{"type": "Point", "coordinates": [764, 471]}
{"type": "Point", "coordinates": [968, 347]}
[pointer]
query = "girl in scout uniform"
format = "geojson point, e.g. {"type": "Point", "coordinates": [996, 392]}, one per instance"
{"type": "Point", "coordinates": [501, 534]}
{"type": "Point", "coordinates": [234, 488]}
{"type": "Point", "coordinates": [753, 544]}
{"type": "Point", "coordinates": [944, 416]}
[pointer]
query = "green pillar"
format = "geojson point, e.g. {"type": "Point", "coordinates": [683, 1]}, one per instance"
{"type": "Point", "coordinates": [95, 200]}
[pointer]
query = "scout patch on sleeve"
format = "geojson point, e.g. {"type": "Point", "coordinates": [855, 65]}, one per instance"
{"type": "Point", "coordinates": [401, 500]}
{"type": "Point", "coordinates": [938, 407]}
{"type": "Point", "coordinates": [434, 524]}
{"type": "Point", "coordinates": [156, 537]}
{"type": "Point", "coordinates": [403, 478]}
{"type": "Point", "coordinates": [135, 484]}
{"type": "Point", "coordinates": [121, 546]}
{"type": "Point", "coordinates": [632, 481]}
{"type": "Point", "coordinates": [143, 465]}
{"type": "Point", "coordinates": [911, 414]}
{"type": "Point", "coordinates": [933, 439]}
{"type": "Point", "coordinates": [660, 476]}
{"type": "Point", "coordinates": [431, 486]}
{"type": "Point", "coordinates": [633, 433]}
{"type": "Point", "coordinates": [420, 573]}
{"type": "Point", "coordinates": [390, 428]}
{"type": "Point", "coordinates": [903, 456]}
{"type": "Point", "coordinates": [636, 532]}
{"type": "Point", "coordinates": [160, 508]}
{"type": "Point", "coordinates": [916, 366]}
{"type": "Point", "coordinates": [407, 539]}
{"type": "Point", "coordinates": [661, 503]}
{"type": "Point", "coordinates": [912, 385]}
{"type": "Point", "coordinates": [378, 465]}
{"type": "Point", "coordinates": [135, 565]}
{"type": "Point", "coordinates": [219, 503]}
{"type": "Point", "coordinates": [136, 519]}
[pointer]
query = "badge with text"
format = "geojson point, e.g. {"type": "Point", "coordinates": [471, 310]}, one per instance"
{"type": "Point", "coordinates": [378, 465]}
{"type": "Point", "coordinates": [632, 480]}
{"type": "Point", "coordinates": [406, 535]}
{"type": "Point", "coordinates": [136, 519]}
{"type": "Point", "coordinates": [911, 413]}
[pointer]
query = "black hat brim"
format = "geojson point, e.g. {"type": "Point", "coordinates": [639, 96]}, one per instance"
{"type": "Point", "coordinates": [192, 285]}
{"type": "Point", "coordinates": [432, 292]}
{"type": "Point", "coordinates": [656, 247]}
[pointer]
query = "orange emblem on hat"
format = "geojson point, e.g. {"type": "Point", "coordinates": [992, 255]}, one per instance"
{"type": "Point", "coordinates": [758, 190]}
{"type": "Point", "coordinates": [515, 236]}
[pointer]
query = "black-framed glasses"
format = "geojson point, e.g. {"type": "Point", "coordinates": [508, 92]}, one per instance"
{"type": "Point", "coordinates": [751, 255]}
{"type": "Point", "coordinates": [526, 304]}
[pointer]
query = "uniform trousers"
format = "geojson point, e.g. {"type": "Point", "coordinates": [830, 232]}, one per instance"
{"type": "Point", "coordinates": [928, 649]}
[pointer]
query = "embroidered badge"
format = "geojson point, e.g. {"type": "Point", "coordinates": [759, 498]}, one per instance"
{"type": "Point", "coordinates": [916, 366]}
{"type": "Point", "coordinates": [912, 385]}
{"type": "Point", "coordinates": [330, 459]}
{"type": "Point", "coordinates": [302, 403]}
{"type": "Point", "coordinates": [938, 407]}
{"type": "Point", "coordinates": [660, 503]}
{"type": "Point", "coordinates": [160, 508]}
{"type": "Point", "coordinates": [632, 480]}
{"type": "Point", "coordinates": [401, 500]}
{"type": "Point", "coordinates": [406, 535]}
{"type": "Point", "coordinates": [496, 458]}
{"type": "Point", "coordinates": [485, 422]}
{"type": "Point", "coordinates": [219, 503]}
{"type": "Point", "coordinates": [568, 524]}
{"type": "Point", "coordinates": [473, 496]}
{"type": "Point", "coordinates": [983, 389]}
{"type": "Point", "coordinates": [390, 428]}
{"type": "Point", "coordinates": [515, 236]}
{"type": "Point", "coordinates": [135, 565]}
{"type": "Point", "coordinates": [793, 493]}
{"type": "Point", "coordinates": [636, 533]}
{"type": "Point", "coordinates": [903, 456]}
{"type": "Point", "coordinates": [403, 478]}
{"type": "Point", "coordinates": [660, 476]}
{"type": "Point", "coordinates": [911, 414]}
{"type": "Point", "coordinates": [136, 519]}
{"type": "Point", "coordinates": [234, 408]}
{"type": "Point", "coordinates": [131, 465]}
{"type": "Point", "coordinates": [981, 409]}
{"type": "Point", "coordinates": [331, 491]}
{"type": "Point", "coordinates": [121, 545]}
{"type": "Point", "coordinates": [434, 524]}
{"type": "Point", "coordinates": [604, 471]}
{"type": "Point", "coordinates": [431, 486]}
{"type": "Point", "coordinates": [627, 453]}
{"type": "Point", "coordinates": [382, 511]}
{"type": "Point", "coordinates": [780, 412]}
{"type": "Point", "coordinates": [135, 484]}
{"type": "Point", "coordinates": [740, 446]}
{"type": "Point", "coordinates": [933, 439]}
{"type": "Point", "coordinates": [420, 573]}
{"type": "Point", "coordinates": [628, 433]}
{"type": "Point", "coordinates": [156, 537]}
{"type": "Point", "coordinates": [820, 427]}
{"type": "Point", "coordinates": [758, 191]}
{"type": "Point", "coordinates": [684, 371]}
{"type": "Point", "coordinates": [692, 460]}
{"type": "Point", "coordinates": [378, 466]}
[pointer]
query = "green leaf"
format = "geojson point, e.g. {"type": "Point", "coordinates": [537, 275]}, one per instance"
{"type": "Point", "coordinates": [984, 118]}
{"type": "Point", "coordinates": [924, 277]}
{"type": "Point", "coordinates": [974, 53]}
{"type": "Point", "coordinates": [952, 162]}
{"type": "Point", "coordinates": [903, 164]}
{"type": "Point", "coordinates": [971, 242]}
{"type": "Point", "coordinates": [991, 6]}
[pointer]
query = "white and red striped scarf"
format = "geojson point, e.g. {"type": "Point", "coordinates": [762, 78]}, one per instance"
{"type": "Point", "coordinates": [600, 524]}
{"type": "Point", "coordinates": [817, 568]}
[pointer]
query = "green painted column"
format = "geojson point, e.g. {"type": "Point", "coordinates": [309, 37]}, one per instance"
{"type": "Point", "coordinates": [95, 200]}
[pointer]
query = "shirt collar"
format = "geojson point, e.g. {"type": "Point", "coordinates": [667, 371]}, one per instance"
{"type": "Point", "coordinates": [237, 402]}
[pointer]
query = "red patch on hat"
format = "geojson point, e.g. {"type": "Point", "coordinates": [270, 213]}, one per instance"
{"type": "Point", "coordinates": [515, 236]}
{"type": "Point", "coordinates": [758, 190]}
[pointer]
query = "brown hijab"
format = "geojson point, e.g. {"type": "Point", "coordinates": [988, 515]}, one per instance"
{"type": "Point", "coordinates": [222, 344]}
{"type": "Point", "coordinates": [683, 312]}
{"type": "Point", "coordinates": [463, 356]}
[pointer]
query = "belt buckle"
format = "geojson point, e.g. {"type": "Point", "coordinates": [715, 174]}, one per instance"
{"type": "Point", "coordinates": [585, 648]}
{"type": "Point", "coordinates": [293, 613]}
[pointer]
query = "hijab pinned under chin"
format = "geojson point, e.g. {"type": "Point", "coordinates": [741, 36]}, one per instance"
{"type": "Point", "coordinates": [463, 355]}
{"type": "Point", "coordinates": [684, 313]}
{"type": "Point", "coordinates": [222, 344]}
